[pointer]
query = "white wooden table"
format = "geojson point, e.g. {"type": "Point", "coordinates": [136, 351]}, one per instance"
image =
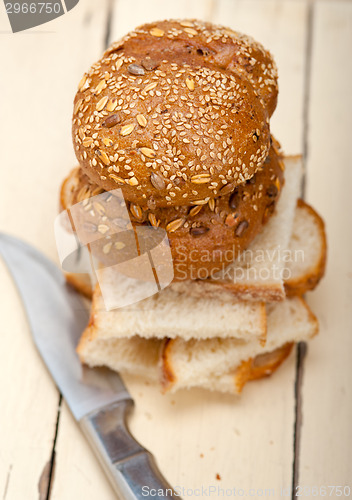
{"type": "Point", "coordinates": [292, 429]}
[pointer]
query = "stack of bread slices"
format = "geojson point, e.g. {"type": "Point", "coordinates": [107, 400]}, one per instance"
{"type": "Point", "coordinates": [176, 115]}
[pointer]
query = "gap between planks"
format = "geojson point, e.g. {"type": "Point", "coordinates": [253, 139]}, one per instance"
{"type": "Point", "coordinates": [7, 482]}
{"type": "Point", "coordinates": [47, 475]}
{"type": "Point", "coordinates": [302, 347]}
{"type": "Point", "coordinates": [45, 495]}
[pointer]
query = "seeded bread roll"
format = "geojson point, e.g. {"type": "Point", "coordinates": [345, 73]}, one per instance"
{"type": "Point", "coordinates": [208, 44]}
{"type": "Point", "coordinates": [171, 114]}
{"type": "Point", "coordinates": [203, 239]}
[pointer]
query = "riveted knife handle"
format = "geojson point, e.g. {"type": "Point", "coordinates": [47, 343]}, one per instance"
{"type": "Point", "coordinates": [130, 467]}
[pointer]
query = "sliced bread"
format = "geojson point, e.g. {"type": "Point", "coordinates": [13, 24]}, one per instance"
{"type": "Point", "coordinates": [192, 363]}
{"type": "Point", "coordinates": [171, 314]}
{"type": "Point", "coordinates": [308, 240]}
{"type": "Point", "coordinates": [216, 364]}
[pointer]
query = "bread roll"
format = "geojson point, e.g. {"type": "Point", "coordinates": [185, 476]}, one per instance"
{"type": "Point", "coordinates": [176, 113]}
{"type": "Point", "coordinates": [203, 239]}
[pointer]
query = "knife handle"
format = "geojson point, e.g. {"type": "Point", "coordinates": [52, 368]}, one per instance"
{"type": "Point", "coordinates": [130, 467]}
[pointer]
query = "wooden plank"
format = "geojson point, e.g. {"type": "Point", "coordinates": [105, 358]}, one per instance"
{"type": "Point", "coordinates": [29, 400]}
{"type": "Point", "coordinates": [196, 435]}
{"type": "Point", "coordinates": [41, 68]}
{"type": "Point", "coordinates": [281, 27]}
{"type": "Point", "coordinates": [326, 435]}
{"type": "Point", "coordinates": [77, 472]}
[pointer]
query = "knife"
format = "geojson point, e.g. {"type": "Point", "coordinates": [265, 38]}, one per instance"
{"type": "Point", "coordinates": [97, 398]}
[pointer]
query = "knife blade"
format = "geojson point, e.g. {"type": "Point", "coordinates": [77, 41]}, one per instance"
{"type": "Point", "coordinates": [97, 398]}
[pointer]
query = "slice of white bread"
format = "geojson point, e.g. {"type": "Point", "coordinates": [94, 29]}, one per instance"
{"type": "Point", "coordinates": [309, 238]}
{"type": "Point", "coordinates": [171, 314]}
{"type": "Point", "coordinates": [194, 363]}
{"type": "Point", "coordinates": [260, 265]}
{"type": "Point", "coordinates": [216, 364]}
{"type": "Point", "coordinates": [262, 365]}
{"type": "Point", "coordinates": [253, 368]}
{"type": "Point", "coordinates": [134, 356]}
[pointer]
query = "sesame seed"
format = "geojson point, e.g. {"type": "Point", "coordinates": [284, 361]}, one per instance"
{"type": "Point", "coordinates": [148, 152]}
{"type": "Point", "coordinates": [156, 32]}
{"type": "Point", "coordinates": [103, 156]}
{"type": "Point", "coordinates": [200, 202]}
{"type": "Point", "coordinates": [136, 211]}
{"type": "Point", "coordinates": [77, 105]}
{"type": "Point", "coordinates": [101, 85]}
{"type": "Point", "coordinates": [103, 228]}
{"type": "Point", "coordinates": [117, 179]}
{"type": "Point", "coordinates": [187, 24]}
{"type": "Point", "coordinates": [127, 129]}
{"type": "Point", "coordinates": [88, 141]}
{"type": "Point", "coordinates": [190, 83]}
{"type": "Point", "coordinates": [191, 31]}
{"type": "Point", "coordinates": [195, 210]}
{"type": "Point", "coordinates": [211, 204]}
{"type": "Point", "coordinates": [119, 245]}
{"type": "Point", "coordinates": [101, 104]}
{"type": "Point", "coordinates": [82, 83]}
{"type": "Point", "coordinates": [107, 248]}
{"type": "Point", "coordinates": [150, 86]}
{"type": "Point", "coordinates": [142, 120]}
{"type": "Point", "coordinates": [111, 104]}
{"type": "Point", "coordinates": [201, 178]}
{"type": "Point", "coordinates": [118, 64]}
{"type": "Point", "coordinates": [174, 225]}
{"type": "Point", "coordinates": [153, 220]}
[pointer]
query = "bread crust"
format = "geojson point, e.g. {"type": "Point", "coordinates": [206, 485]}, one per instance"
{"type": "Point", "coordinates": [271, 292]}
{"type": "Point", "coordinates": [168, 376]}
{"type": "Point", "coordinates": [302, 284]}
{"type": "Point", "coordinates": [180, 132]}
{"type": "Point", "coordinates": [255, 368]}
{"type": "Point", "coordinates": [90, 331]}
{"type": "Point", "coordinates": [68, 188]}
{"type": "Point", "coordinates": [312, 317]}
{"type": "Point", "coordinates": [261, 366]}
{"type": "Point", "coordinates": [81, 282]}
